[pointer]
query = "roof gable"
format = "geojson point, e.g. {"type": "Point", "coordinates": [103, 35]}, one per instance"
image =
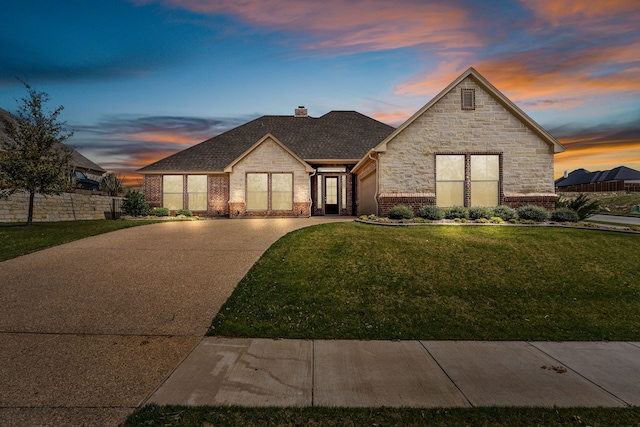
{"type": "Point", "coordinates": [491, 90]}
{"type": "Point", "coordinates": [268, 137]}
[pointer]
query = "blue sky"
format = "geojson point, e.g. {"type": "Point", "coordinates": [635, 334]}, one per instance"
{"type": "Point", "coordinates": [141, 79]}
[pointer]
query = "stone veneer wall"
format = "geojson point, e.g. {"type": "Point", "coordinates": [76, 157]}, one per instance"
{"type": "Point", "coordinates": [408, 165]}
{"type": "Point", "coordinates": [63, 207]}
{"type": "Point", "coordinates": [269, 157]}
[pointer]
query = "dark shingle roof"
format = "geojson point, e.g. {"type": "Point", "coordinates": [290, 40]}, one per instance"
{"type": "Point", "coordinates": [338, 135]}
{"type": "Point", "coordinates": [582, 176]}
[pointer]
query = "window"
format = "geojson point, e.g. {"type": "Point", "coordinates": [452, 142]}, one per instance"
{"type": "Point", "coordinates": [450, 180]}
{"type": "Point", "coordinates": [343, 191]}
{"type": "Point", "coordinates": [479, 187]}
{"type": "Point", "coordinates": [485, 177]}
{"type": "Point", "coordinates": [197, 192]}
{"type": "Point", "coordinates": [265, 190]}
{"type": "Point", "coordinates": [258, 191]}
{"type": "Point", "coordinates": [281, 191]}
{"type": "Point", "coordinates": [468, 99]}
{"type": "Point", "coordinates": [319, 191]}
{"type": "Point", "coordinates": [172, 188]}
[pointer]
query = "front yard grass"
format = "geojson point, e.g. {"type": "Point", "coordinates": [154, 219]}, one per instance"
{"type": "Point", "coordinates": [359, 281]}
{"type": "Point", "coordinates": [19, 239]}
{"type": "Point", "coordinates": [180, 416]}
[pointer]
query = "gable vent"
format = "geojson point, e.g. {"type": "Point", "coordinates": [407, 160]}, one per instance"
{"type": "Point", "coordinates": [468, 98]}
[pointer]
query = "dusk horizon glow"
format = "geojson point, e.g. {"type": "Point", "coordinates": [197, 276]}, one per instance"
{"type": "Point", "coordinates": [143, 79]}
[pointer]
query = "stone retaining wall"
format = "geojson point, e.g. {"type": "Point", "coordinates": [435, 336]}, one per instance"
{"type": "Point", "coordinates": [63, 207]}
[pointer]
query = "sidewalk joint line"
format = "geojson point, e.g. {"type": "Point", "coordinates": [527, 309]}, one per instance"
{"type": "Point", "coordinates": [446, 373]}
{"type": "Point", "coordinates": [579, 374]}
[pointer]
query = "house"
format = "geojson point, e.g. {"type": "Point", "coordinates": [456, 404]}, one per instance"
{"type": "Point", "coordinates": [621, 178]}
{"type": "Point", "coordinates": [470, 146]}
{"type": "Point", "coordinates": [78, 161]}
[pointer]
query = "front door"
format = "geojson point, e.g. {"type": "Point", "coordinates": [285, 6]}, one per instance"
{"type": "Point", "coordinates": [331, 196]}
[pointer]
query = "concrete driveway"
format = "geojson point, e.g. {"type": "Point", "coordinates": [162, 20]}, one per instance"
{"type": "Point", "coordinates": [89, 329]}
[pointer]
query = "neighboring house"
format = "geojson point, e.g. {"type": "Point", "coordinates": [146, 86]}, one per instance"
{"type": "Point", "coordinates": [78, 161]}
{"type": "Point", "coordinates": [621, 178]}
{"type": "Point", "coordinates": [469, 146]}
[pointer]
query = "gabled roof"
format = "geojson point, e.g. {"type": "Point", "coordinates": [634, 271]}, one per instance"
{"type": "Point", "coordinates": [582, 176]}
{"type": "Point", "coordinates": [268, 136]}
{"type": "Point", "coordinates": [489, 88]}
{"type": "Point", "coordinates": [338, 135]}
{"type": "Point", "coordinates": [77, 160]}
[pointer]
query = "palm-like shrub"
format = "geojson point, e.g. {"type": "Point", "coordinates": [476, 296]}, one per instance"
{"type": "Point", "coordinates": [581, 205]}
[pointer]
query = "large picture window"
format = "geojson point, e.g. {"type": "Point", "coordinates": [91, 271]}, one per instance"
{"type": "Point", "coordinates": [269, 191]}
{"type": "Point", "coordinates": [457, 186]}
{"type": "Point", "coordinates": [197, 192]}
{"type": "Point", "coordinates": [172, 189]}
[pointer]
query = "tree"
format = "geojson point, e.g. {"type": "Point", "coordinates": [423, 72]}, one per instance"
{"type": "Point", "coordinates": [32, 156]}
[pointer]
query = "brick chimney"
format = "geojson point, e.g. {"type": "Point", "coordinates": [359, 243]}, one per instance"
{"type": "Point", "coordinates": [301, 112]}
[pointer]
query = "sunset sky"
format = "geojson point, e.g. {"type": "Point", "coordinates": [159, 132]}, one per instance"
{"type": "Point", "coordinates": [142, 79]}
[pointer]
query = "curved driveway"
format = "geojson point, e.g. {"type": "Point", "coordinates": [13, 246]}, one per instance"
{"type": "Point", "coordinates": [90, 328]}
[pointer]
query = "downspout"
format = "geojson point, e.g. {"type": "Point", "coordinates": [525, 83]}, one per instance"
{"type": "Point", "coordinates": [315, 171]}
{"type": "Point", "coordinates": [375, 196]}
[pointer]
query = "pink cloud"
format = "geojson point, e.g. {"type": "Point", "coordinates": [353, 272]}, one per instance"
{"type": "Point", "coordinates": [351, 25]}
{"type": "Point", "coordinates": [584, 13]}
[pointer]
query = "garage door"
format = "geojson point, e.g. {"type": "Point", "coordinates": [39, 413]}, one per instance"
{"type": "Point", "coordinates": [368, 204]}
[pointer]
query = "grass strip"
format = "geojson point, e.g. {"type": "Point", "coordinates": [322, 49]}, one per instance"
{"type": "Point", "coordinates": [18, 239]}
{"type": "Point", "coordinates": [181, 416]}
{"type": "Point", "coordinates": [359, 281]}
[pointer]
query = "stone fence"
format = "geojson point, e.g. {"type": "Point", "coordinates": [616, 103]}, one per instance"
{"type": "Point", "coordinates": [63, 207]}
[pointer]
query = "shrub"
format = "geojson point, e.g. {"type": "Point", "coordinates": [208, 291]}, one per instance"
{"type": "Point", "coordinates": [431, 212]}
{"type": "Point", "coordinates": [160, 211]}
{"type": "Point", "coordinates": [482, 220]}
{"type": "Point", "coordinates": [185, 212]}
{"type": "Point", "coordinates": [401, 212]}
{"type": "Point", "coordinates": [581, 205]}
{"type": "Point", "coordinates": [533, 213]}
{"type": "Point", "coordinates": [478, 212]}
{"type": "Point", "coordinates": [456, 212]}
{"type": "Point", "coordinates": [564, 215]}
{"type": "Point", "coordinates": [420, 220]}
{"type": "Point", "coordinates": [496, 220]}
{"type": "Point", "coordinates": [135, 204]}
{"type": "Point", "coordinates": [505, 212]}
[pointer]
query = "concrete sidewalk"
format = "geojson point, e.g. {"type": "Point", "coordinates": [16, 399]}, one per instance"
{"type": "Point", "coordinates": [265, 372]}
{"type": "Point", "coordinates": [618, 219]}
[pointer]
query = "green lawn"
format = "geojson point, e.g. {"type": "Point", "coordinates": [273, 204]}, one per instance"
{"type": "Point", "coordinates": [18, 239]}
{"type": "Point", "coordinates": [179, 416]}
{"type": "Point", "coordinates": [359, 281]}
